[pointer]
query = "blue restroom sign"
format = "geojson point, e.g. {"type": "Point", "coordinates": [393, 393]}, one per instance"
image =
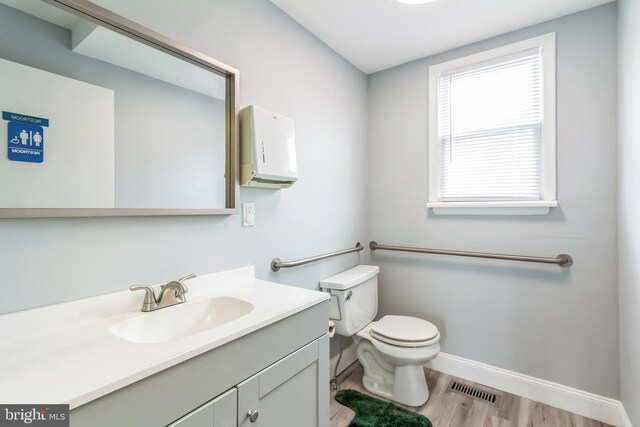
{"type": "Point", "coordinates": [25, 137]}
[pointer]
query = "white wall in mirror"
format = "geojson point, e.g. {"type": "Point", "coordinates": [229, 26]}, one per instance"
{"type": "Point", "coordinates": [78, 166]}
{"type": "Point", "coordinates": [168, 117]}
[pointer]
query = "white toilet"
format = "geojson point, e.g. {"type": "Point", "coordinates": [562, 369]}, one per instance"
{"type": "Point", "coordinates": [391, 350]}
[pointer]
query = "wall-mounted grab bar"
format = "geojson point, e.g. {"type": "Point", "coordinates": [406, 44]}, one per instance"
{"type": "Point", "coordinates": [562, 260]}
{"type": "Point", "coordinates": [277, 264]}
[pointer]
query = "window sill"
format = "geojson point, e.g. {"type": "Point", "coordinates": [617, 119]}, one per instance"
{"type": "Point", "coordinates": [493, 208]}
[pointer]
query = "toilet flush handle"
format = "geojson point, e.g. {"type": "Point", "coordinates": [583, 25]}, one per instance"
{"type": "Point", "coordinates": [349, 295]}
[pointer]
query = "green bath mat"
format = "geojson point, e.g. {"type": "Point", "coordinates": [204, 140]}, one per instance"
{"type": "Point", "coordinates": [372, 412]}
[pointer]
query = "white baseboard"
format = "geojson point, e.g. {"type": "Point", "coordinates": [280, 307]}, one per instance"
{"type": "Point", "coordinates": [348, 358]}
{"type": "Point", "coordinates": [579, 402]}
{"type": "Point", "coordinates": [625, 421]}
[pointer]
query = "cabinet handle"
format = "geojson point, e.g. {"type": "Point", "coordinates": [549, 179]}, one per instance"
{"type": "Point", "coordinates": [252, 415]}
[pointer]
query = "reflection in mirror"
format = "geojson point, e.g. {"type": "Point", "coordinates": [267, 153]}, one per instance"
{"type": "Point", "coordinates": [95, 119]}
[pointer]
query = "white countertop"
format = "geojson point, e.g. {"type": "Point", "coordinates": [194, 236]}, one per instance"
{"type": "Point", "coordinates": [66, 353]}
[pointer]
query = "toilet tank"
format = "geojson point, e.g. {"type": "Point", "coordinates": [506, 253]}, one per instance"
{"type": "Point", "coordinates": [354, 298]}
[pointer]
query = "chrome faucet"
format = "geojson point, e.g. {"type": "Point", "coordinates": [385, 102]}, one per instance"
{"type": "Point", "coordinates": [170, 294]}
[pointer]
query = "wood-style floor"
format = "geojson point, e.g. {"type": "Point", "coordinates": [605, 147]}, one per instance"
{"type": "Point", "coordinates": [448, 409]}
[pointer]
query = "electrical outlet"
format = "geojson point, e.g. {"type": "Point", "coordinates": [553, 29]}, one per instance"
{"type": "Point", "coordinates": [248, 214]}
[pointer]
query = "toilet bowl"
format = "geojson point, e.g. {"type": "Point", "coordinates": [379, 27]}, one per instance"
{"type": "Point", "coordinates": [393, 368]}
{"type": "Point", "coordinates": [391, 350]}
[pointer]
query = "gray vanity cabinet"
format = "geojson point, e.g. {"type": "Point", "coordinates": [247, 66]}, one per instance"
{"type": "Point", "coordinates": [290, 393]}
{"type": "Point", "coordinates": [220, 412]}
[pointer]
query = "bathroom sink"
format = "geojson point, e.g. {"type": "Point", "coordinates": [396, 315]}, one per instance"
{"type": "Point", "coordinates": [182, 320]}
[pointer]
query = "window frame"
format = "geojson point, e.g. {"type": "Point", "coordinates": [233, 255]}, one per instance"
{"type": "Point", "coordinates": [547, 43]}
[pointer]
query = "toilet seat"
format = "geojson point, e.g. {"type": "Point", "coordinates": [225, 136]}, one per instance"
{"type": "Point", "coordinates": [400, 355]}
{"type": "Point", "coordinates": [404, 331]}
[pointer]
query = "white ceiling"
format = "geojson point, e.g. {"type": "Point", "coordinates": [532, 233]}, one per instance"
{"type": "Point", "coordinates": [377, 34]}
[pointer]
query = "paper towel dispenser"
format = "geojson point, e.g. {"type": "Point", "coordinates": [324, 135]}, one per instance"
{"type": "Point", "coordinates": [267, 149]}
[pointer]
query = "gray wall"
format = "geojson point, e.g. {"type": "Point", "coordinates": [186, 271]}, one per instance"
{"type": "Point", "coordinates": [555, 324]}
{"type": "Point", "coordinates": [551, 323]}
{"type": "Point", "coordinates": [629, 206]}
{"type": "Point", "coordinates": [283, 68]}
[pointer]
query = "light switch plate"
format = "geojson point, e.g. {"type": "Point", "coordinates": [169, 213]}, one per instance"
{"type": "Point", "coordinates": [248, 214]}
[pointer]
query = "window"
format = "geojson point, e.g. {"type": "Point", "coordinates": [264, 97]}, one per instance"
{"type": "Point", "coordinates": [492, 131]}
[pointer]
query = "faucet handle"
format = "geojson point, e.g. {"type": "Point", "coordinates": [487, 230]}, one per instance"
{"type": "Point", "coordinates": [149, 303]}
{"type": "Point", "coordinates": [187, 277]}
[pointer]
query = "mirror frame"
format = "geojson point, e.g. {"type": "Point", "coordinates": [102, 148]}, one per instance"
{"type": "Point", "coordinates": [105, 18]}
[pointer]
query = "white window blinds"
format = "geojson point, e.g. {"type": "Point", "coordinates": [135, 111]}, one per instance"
{"type": "Point", "coordinates": [490, 120]}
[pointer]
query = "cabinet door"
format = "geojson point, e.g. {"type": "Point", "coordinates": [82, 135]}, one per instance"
{"type": "Point", "coordinates": [292, 392]}
{"type": "Point", "coordinates": [220, 412]}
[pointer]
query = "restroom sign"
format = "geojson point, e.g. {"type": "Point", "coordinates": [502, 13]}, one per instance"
{"type": "Point", "coordinates": [25, 137]}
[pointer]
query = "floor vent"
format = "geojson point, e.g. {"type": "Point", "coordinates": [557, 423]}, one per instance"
{"type": "Point", "coordinates": [474, 393]}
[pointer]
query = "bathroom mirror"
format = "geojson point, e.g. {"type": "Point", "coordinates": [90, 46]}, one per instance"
{"type": "Point", "coordinates": [103, 117]}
